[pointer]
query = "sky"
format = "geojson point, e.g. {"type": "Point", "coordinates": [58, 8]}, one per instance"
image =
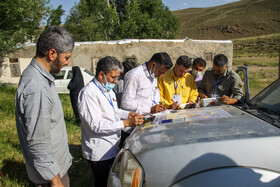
{"type": "Point", "coordinates": [172, 4]}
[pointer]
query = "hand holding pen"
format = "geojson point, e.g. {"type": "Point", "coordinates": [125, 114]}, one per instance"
{"type": "Point", "coordinates": [174, 105]}
{"type": "Point", "coordinates": [157, 108]}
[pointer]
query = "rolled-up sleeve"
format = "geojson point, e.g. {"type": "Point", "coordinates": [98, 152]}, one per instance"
{"type": "Point", "coordinates": [37, 109]}
{"type": "Point", "coordinates": [236, 89]}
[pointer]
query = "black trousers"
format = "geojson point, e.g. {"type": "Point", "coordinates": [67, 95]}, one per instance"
{"type": "Point", "coordinates": [100, 170]}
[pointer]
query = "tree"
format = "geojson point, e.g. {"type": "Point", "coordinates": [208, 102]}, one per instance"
{"type": "Point", "coordinates": [20, 22]}
{"type": "Point", "coordinates": [117, 19]}
{"type": "Point", "coordinates": [55, 16]}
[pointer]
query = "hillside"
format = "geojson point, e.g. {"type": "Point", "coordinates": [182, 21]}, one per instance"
{"type": "Point", "coordinates": [240, 19]}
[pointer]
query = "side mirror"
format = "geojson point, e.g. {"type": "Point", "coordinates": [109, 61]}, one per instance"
{"type": "Point", "coordinates": [242, 71]}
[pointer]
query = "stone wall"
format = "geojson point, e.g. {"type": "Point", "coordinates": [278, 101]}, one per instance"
{"type": "Point", "coordinates": [86, 54]}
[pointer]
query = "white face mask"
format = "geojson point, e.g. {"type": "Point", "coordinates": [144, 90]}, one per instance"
{"type": "Point", "coordinates": [152, 73]}
{"type": "Point", "coordinates": [195, 73]}
{"type": "Point", "coordinates": [199, 73]}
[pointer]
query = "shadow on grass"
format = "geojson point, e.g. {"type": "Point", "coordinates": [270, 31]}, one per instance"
{"type": "Point", "coordinates": [15, 172]}
{"type": "Point", "coordinates": [80, 172]}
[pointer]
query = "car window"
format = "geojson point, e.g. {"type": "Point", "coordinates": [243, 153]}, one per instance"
{"type": "Point", "coordinates": [88, 72]}
{"type": "Point", "coordinates": [70, 74]}
{"type": "Point", "coordinates": [269, 98]}
{"type": "Point", "coordinates": [60, 75]}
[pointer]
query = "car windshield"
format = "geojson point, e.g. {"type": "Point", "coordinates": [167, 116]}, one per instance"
{"type": "Point", "coordinates": [60, 75]}
{"type": "Point", "coordinates": [89, 72]}
{"type": "Point", "coordinates": [269, 98]}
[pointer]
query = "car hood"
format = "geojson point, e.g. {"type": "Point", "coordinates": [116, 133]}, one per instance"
{"type": "Point", "coordinates": [185, 148]}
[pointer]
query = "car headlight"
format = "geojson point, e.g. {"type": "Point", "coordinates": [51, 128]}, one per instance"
{"type": "Point", "coordinates": [130, 171]}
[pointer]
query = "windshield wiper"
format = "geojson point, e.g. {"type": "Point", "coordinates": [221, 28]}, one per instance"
{"type": "Point", "coordinates": [265, 109]}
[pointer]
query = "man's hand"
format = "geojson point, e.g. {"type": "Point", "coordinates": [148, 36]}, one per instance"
{"type": "Point", "coordinates": [202, 96]}
{"type": "Point", "coordinates": [132, 114]}
{"type": "Point", "coordinates": [227, 100]}
{"type": "Point", "coordinates": [174, 106]}
{"type": "Point", "coordinates": [157, 108]}
{"type": "Point", "coordinates": [133, 120]}
{"type": "Point", "coordinates": [56, 181]}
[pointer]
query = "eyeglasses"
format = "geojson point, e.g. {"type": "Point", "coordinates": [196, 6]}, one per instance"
{"type": "Point", "coordinates": [115, 78]}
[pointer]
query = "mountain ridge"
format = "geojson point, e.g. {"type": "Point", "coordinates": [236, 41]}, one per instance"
{"type": "Point", "coordinates": [240, 19]}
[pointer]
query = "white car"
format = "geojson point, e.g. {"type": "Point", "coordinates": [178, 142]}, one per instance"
{"type": "Point", "coordinates": [63, 78]}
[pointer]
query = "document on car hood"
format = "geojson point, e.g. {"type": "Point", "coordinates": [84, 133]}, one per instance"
{"type": "Point", "coordinates": [176, 116]}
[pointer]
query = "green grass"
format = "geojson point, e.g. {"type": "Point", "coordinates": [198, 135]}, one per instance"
{"type": "Point", "coordinates": [258, 46]}
{"type": "Point", "coordinates": [256, 61]}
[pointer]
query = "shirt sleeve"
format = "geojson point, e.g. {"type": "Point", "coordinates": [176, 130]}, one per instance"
{"type": "Point", "coordinates": [129, 100]}
{"type": "Point", "coordinates": [122, 113]}
{"type": "Point", "coordinates": [37, 107]}
{"type": "Point", "coordinates": [91, 115]}
{"type": "Point", "coordinates": [202, 87]}
{"type": "Point", "coordinates": [162, 92]}
{"type": "Point", "coordinates": [237, 88]}
{"type": "Point", "coordinates": [193, 91]}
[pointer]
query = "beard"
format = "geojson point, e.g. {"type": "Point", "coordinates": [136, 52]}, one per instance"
{"type": "Point", "coordinates": [55, 67]}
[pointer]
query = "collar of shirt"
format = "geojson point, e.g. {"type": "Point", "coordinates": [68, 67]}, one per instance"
{"type": "Point", "coordinates": [175, 77]}
{"type": "Point", "coordinates": [100, 85]}
{"type": "Point", "coordinates": [41, 69]}
{"type": "Point", "coordinates": [224, 75]}
{"type": "Point", "coordinates": [146, 71]}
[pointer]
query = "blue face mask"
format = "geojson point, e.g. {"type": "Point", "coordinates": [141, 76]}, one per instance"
{"type": "Point", "coordinates": [108, 86]}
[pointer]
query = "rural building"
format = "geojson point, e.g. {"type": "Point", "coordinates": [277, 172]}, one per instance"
{"type": "Point", "coordinates": [87, 54]}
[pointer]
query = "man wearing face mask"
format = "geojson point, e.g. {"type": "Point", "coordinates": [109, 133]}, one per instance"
{"type": "Point", "coordinates": [198, 66]}
{"type": "Point", "coordinates": [221, 82]}
{"type": "Point", "coordinates": [102, 120]}
{"type": "Point", "coordinates": [140, 93]}
{"type": "Point", "coordinates": [177, 86]}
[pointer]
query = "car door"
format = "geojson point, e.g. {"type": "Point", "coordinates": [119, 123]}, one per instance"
{"type": "Point", "coordinates": [62, 80]}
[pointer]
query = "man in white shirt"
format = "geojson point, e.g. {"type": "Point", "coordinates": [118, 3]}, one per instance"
{"type": "Point", "coordinates": [101, 119]}
{"type": "Point", "coordinates": [141, 93]}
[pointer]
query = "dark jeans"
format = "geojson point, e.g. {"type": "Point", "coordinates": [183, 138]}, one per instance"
{"type": "Point", "coordinates": [100, 170]}
{"type": "Point", "coordinates": [65, 181]}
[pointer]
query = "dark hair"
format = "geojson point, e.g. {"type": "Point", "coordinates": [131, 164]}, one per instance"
{"type": "Point", "coordinates": [128, 64]}
{"type": "Point", "coordinates": [220, 60]}
{"type": "Point", "coordinates": [107, 64]}
{"type": "Point", "coordinates": [56, 38]}
{"type": "Point", "coordinates": [199, 61]}
{"type": "Point", "coordinates": [162, 58]}
{"type": "Point", "coordinates": [185, 61]}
